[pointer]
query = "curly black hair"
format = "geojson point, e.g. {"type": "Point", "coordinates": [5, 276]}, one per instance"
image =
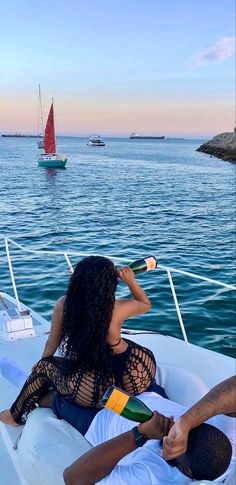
{"type": "Point", "coordinates": [208, 453]}
{"type": "Point", "coordinates": [86, 317]}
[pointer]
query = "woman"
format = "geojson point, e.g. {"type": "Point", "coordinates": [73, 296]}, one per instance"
{"type": "Point", "coordinates": [87, 325]}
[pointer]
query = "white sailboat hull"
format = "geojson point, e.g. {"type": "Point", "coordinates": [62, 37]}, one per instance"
{"type": "Point", "coordinates": [52, 160]}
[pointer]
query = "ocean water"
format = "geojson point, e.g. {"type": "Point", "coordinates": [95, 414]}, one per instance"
{"type": "Point", "coordinates": [128, 200]}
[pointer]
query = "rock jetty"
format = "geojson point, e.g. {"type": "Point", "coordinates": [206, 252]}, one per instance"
{"type": "Point", "coordinates": [221, 146]}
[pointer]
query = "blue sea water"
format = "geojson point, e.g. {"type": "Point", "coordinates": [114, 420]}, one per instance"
{"type": "Point", "coordinates": [129, 199]}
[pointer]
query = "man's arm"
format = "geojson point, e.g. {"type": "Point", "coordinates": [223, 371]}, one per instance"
{"type": "Point", "coordinates": [219, 400]}
{"type": "Point", "coordinates": [100, 461]}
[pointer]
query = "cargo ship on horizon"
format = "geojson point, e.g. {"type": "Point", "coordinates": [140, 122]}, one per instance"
{"type": "Point", "coordinates": [135, 136]}
{"type": "Point", "coordinates": [18, 135]}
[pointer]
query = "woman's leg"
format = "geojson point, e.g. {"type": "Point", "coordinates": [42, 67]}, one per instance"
{"type": "Point", "coordinates": [82, 388]}
{"type": "Point", "coordinates": [47, 374]}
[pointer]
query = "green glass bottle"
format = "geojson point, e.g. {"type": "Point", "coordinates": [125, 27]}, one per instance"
{"type": "Point", "coordinates": [145, 264]}
{"type": "Point", "coordinates": [127, 406]}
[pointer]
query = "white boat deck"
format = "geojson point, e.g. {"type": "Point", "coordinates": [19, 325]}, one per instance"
{"type": "Point", "coordinates": [209, 367]}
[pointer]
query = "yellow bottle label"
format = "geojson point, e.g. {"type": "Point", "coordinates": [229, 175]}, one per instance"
{"type": "Point", "coordinates": [151, 263]}
{"type": "Point", "coordinates": [117, 401]}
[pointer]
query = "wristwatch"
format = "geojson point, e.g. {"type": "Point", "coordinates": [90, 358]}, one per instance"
{"type": "Point", "coordinates": [139, 438]}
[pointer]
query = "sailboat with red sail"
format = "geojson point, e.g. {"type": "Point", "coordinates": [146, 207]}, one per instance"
{"type": "Point", "coordinates": [50, 158]}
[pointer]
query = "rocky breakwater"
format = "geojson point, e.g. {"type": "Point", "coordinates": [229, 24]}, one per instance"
{"type": "Point", "coordinates": [221, 146]}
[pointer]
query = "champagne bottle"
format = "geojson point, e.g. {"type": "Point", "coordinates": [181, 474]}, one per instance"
{"type": "Point", "coordinates": [146, 264]}
{"type": "Point", "coordinates": [127, 406]}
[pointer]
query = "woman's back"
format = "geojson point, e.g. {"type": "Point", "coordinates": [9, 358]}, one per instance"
{"type": "Point", "coordinates": [93, 354]}
{"type": "Point", "coordinates": [133, 370]}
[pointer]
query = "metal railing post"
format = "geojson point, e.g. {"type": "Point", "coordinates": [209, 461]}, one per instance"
{"type": "Point", "coordinates": [12, 275]}
{"type": "Point", "coordinates": [177, 307]}
{"type": "Point", "coordinates": [69, 263]}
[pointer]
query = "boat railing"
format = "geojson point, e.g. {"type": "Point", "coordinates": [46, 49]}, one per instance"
{"type": "Point", "coordinates": [67, 254]}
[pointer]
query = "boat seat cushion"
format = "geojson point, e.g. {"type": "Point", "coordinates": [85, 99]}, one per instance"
{"type": "Point", "coordinates": [47, 446]}
{"type": "Point", "coordinates": [181, 386]}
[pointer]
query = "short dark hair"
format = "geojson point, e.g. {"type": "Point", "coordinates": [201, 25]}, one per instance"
{"type": "Point", "coordinates": [208, 452]}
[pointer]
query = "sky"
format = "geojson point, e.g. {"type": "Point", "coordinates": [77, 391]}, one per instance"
{"type": "Point", "coordinates": [159, 67]}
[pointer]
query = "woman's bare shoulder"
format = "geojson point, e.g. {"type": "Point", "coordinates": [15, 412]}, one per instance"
{"type": "Point", "coordinates": [60, 303]}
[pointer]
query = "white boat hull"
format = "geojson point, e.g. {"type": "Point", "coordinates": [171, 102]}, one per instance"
{"type": "Point", "coordinates": [91, 144]}
{"type": "Point", "coordinates": [52, 160]}
{"type": "Point", "coordinates": [181, 360]}
{"type": "Point", "coordinates": [186, 371]}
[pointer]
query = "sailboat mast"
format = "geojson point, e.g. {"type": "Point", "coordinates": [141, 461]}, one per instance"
{"type": "Point", "coordinates": [41, 110]}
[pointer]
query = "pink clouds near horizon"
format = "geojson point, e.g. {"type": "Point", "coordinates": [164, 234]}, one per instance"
{"type": "Point", "coordinates": [83, 117]}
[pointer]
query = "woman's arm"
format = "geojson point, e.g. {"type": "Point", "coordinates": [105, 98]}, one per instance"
{"type": "Point", "coordinates": [54, 338]}
{"type": "Point", "coordinates": [140, 302]}
{"type": "Point", "coordinates": [219, 400]}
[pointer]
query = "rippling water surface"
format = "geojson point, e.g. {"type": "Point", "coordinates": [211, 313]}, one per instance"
{"type": "Point", "coordinates": [129, 199]}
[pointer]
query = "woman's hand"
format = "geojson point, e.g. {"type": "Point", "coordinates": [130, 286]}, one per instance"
{"type": "Point", "coordinates": [126, 274]}
{"type": "Point", "coordinates": [157, 427]}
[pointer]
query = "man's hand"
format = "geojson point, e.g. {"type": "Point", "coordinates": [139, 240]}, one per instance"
{"type": "Point", "coordinates": [219, 400]}
{"type": "Point", "coordinates": [157, 427]}
{"type": "Point", "coordinates": [175, 444]}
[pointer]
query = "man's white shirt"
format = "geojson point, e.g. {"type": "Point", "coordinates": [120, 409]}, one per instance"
{"type": "Point", "coordinates": [144, 466]}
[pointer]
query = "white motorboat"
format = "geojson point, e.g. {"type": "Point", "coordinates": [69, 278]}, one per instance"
{"type": "Point", "coordinates": [96, 141]}
{"type": "Point", "coordinates": [186, 371]}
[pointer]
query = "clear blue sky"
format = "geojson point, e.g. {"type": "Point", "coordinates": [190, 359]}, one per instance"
{"type": "Point", "coordinates": [114, 64]}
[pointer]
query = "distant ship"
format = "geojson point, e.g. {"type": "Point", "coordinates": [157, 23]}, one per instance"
{"type": "Point", "coordinates": [134, 136]}
{"type": "Point", "coordinates": [18, 135]}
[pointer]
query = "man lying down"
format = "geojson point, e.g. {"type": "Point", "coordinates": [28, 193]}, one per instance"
{"type": "Point", "coordinates": [156, 452]}
{"type": "Point", "coordinates": [128, 455]}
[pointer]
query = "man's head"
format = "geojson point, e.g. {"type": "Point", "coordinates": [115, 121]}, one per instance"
{"type": "Point", "coordinates": [207, 456]}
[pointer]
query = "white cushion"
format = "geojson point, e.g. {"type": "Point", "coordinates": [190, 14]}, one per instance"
{"type": "Point", "coordinates": [231, 478]}
{"type": "Point", "coordinates": [47, 446]}
{"type": "Point", "coordinates": [181, 386]}
{"type": "Point", "coordinates": [204, 482]}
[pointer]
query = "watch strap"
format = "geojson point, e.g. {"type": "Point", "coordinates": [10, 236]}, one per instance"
{"type": "Point", "coordinates": [139, 438]}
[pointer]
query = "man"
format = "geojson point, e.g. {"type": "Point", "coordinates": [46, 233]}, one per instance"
{"type": "Point", "coordinates": [145, 465]}
{"type": "Point", "coordinates": [117, 458]}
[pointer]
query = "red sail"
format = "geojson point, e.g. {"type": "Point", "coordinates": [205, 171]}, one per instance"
{"type": "Point", "coordinates": [49, 135]}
